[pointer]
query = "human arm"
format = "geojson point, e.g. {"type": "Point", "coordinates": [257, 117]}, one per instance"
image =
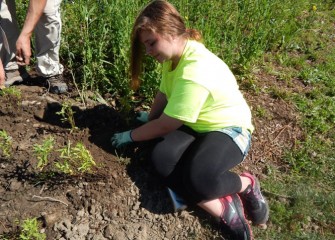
{"type": "Point", "coordinates": [157, 108]}
{"type": "Point", "coordinates": [156, 128]}
{"type": "Point", "coordinates": [23, 49]}
{"type": "Point", "coordinates": [153, 129]}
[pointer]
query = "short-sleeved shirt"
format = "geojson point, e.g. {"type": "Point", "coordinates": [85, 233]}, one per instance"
{"type": "Point", "coordinates": [203, 92]}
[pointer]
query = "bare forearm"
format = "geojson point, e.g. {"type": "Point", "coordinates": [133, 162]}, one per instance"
{"type": "Point", "coordinates": [23, 50]}
{"type": "Point", "coordinates": [34, 13]}
{"type": "Point", "coordinates": [156, 128]}
{"type": "Point", "coordinates": [158, 106]}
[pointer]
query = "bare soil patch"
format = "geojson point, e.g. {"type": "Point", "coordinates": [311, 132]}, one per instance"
{"type": "Point", "coordinates": [122, 198]}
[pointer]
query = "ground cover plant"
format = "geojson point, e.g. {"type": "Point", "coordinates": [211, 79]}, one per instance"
{"type": "Point", "coordinates": [283, 57]}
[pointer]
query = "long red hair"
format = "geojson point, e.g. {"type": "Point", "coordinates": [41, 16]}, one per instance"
{"type": "Point", "coordinates": [160, 17]}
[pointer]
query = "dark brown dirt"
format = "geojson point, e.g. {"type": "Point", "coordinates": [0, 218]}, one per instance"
{"type": "Point", "coordinates": [122, 198]}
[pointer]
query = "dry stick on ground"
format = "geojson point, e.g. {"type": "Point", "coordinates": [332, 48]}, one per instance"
{"type": "Point", "coordinates": [273, 147]}
{"type": "Point", "coordinates": [280, 131]}
{"type": "Point", "coordinates": [3, 225]}
{"type": "Point", "coordinates": [39, 198]}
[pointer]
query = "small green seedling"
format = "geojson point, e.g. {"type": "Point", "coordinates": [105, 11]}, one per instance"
{"type": "Point", "coordinates": [11, 91]}
{"type": "Point", "coordinates": [67, 114]}
{"type": "Point", "coordinates": [64, 167]}
{"type": "Point", "coordinates": [76, 159]}
{"type": "Point", "coordinates": [30, 230]}
{"type": "Point", "coordinates": [6, 142]}
{"type": "Point", "coordinates": [42, 152]}
{"type": "Point", "coordinates": [122, 160]}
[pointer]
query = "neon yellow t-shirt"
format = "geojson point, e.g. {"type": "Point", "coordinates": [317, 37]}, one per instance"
{"type": "Point", "coordinates": [203, 92]}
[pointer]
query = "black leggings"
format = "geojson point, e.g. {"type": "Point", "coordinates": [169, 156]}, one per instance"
{"type": "Point", "coordinates": [196, 166]}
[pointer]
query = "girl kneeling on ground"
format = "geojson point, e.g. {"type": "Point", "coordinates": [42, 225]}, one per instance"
{"type": "Point", "coordinates": [202, 119]}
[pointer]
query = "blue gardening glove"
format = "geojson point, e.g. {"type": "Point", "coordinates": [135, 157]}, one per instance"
{"type": "Point", "coordinates": [121, 139]}
{"type": "Point", "coordinates": [142, 116]}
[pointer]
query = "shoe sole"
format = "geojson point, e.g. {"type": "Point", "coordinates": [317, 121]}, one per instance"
{"type": "Point", "coordinates": [240, 211]}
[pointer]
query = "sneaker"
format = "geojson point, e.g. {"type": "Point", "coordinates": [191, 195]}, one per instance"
{"type": "Point", "coordinates": [15, 76]}
{"type": "Point", "coordinates": [56, 84]}
{"type": "Point", "coordinates": [233, 218]}
{"type": "Point", "coordinates": [257, 208]}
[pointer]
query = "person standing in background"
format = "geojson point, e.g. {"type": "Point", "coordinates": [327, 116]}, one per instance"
{"type": "Point", "coordinates": [44, 20]}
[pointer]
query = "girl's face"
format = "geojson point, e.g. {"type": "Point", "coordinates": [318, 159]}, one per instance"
{"type": "Point", "coordinates": [159, 47]}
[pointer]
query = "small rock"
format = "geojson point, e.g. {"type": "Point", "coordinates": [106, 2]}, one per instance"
{"type": "Point", "coordinates": [15, 185]}
{"type": "Point", "coordinates": [81, 213]}
{"type": "Point", "coordinates": [40, 113]}
{"type": "Point", "coordinates": [50, 219]}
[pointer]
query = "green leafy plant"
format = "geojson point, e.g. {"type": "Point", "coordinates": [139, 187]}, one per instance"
{"type": "Point", "coordinates": [42, 152]}
{"type": "Point", "coordinates": [13, 96]}
{"type": "Point", "coordinates": [6, 142]}
{"type": "Point", "coordinates": [76, 159]}
{"type": "Point", "coordinates": [30, 230]}
{"type": "Point", "coordinates": [67, 114]}
{"type": "Point", "coordinates": [11, 91]}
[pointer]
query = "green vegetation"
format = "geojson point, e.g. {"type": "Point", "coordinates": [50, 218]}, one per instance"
{"type": "Point", "coordinates": [11, 91]}
{"type": "Point", "coordinates": [67, 115]}
{"type": "Point", "coordinates": [291, 41]}
{"type": "Point", "coordinates": [75, 159]}
{"type": "Point", "coordinates": [30, 230]}
{"type": "Point", "coordinates": [42, 152]}
{"type": "Point", "coordinates": [12, 95]}
{"type": "Point", "coordinates": [6, 142]}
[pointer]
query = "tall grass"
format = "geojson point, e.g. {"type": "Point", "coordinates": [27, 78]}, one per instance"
{"type": "Point", "coordinates": [96, 36]}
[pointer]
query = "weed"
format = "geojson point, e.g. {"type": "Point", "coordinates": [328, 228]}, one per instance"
{"type": "Point", "coordinates": [11, 91]}
{"type": "Point", "coordinates": [64, 167]}
{"type": "Point", "coordinates": [76, 159]}
{"type": "Point", "coordinates": [67, 114]}
{"type": "Point", "coordinates": [262, 112]}
{"type": "Point", "coordinates": [13, 96]}
{"type": "Point", "coordinates": [6, 142]}
{"type": "Point", "coordinates": [122, 160]}
{"type": "Point", "coordinates": [42, 152]}
{"type": "Point", "coordinates": [30, 230]}
{"type": "Point", "coordinates": [278, 93]}
{"type": "Point", "coordinates": [84, 157]}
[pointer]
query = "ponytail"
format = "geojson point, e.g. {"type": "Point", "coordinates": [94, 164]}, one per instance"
{"type": "Point", "coordinates": [194, 34]}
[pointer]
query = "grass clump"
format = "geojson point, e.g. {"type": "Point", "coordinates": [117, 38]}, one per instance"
{"type": "Point", "coordinates": [6, 142]}
{"type": "Point", "coordinates": [30, 230]}
{"type": "Point", "coordinates": [67, 115]}
{"type": "Point", "coordinates": [42, 152]}
{"type": "Point", "coordinates": [75, 159]}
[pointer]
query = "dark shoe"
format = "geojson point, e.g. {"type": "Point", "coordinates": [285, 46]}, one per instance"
{"type": "Point", "coordinates": [257, 208]}
{"type": "Point", "coordinates": [233, 218]}
{"type": "Point", "coordinates": [15, 76]}
{"type": "Point", "coordinates": [56, 84]}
